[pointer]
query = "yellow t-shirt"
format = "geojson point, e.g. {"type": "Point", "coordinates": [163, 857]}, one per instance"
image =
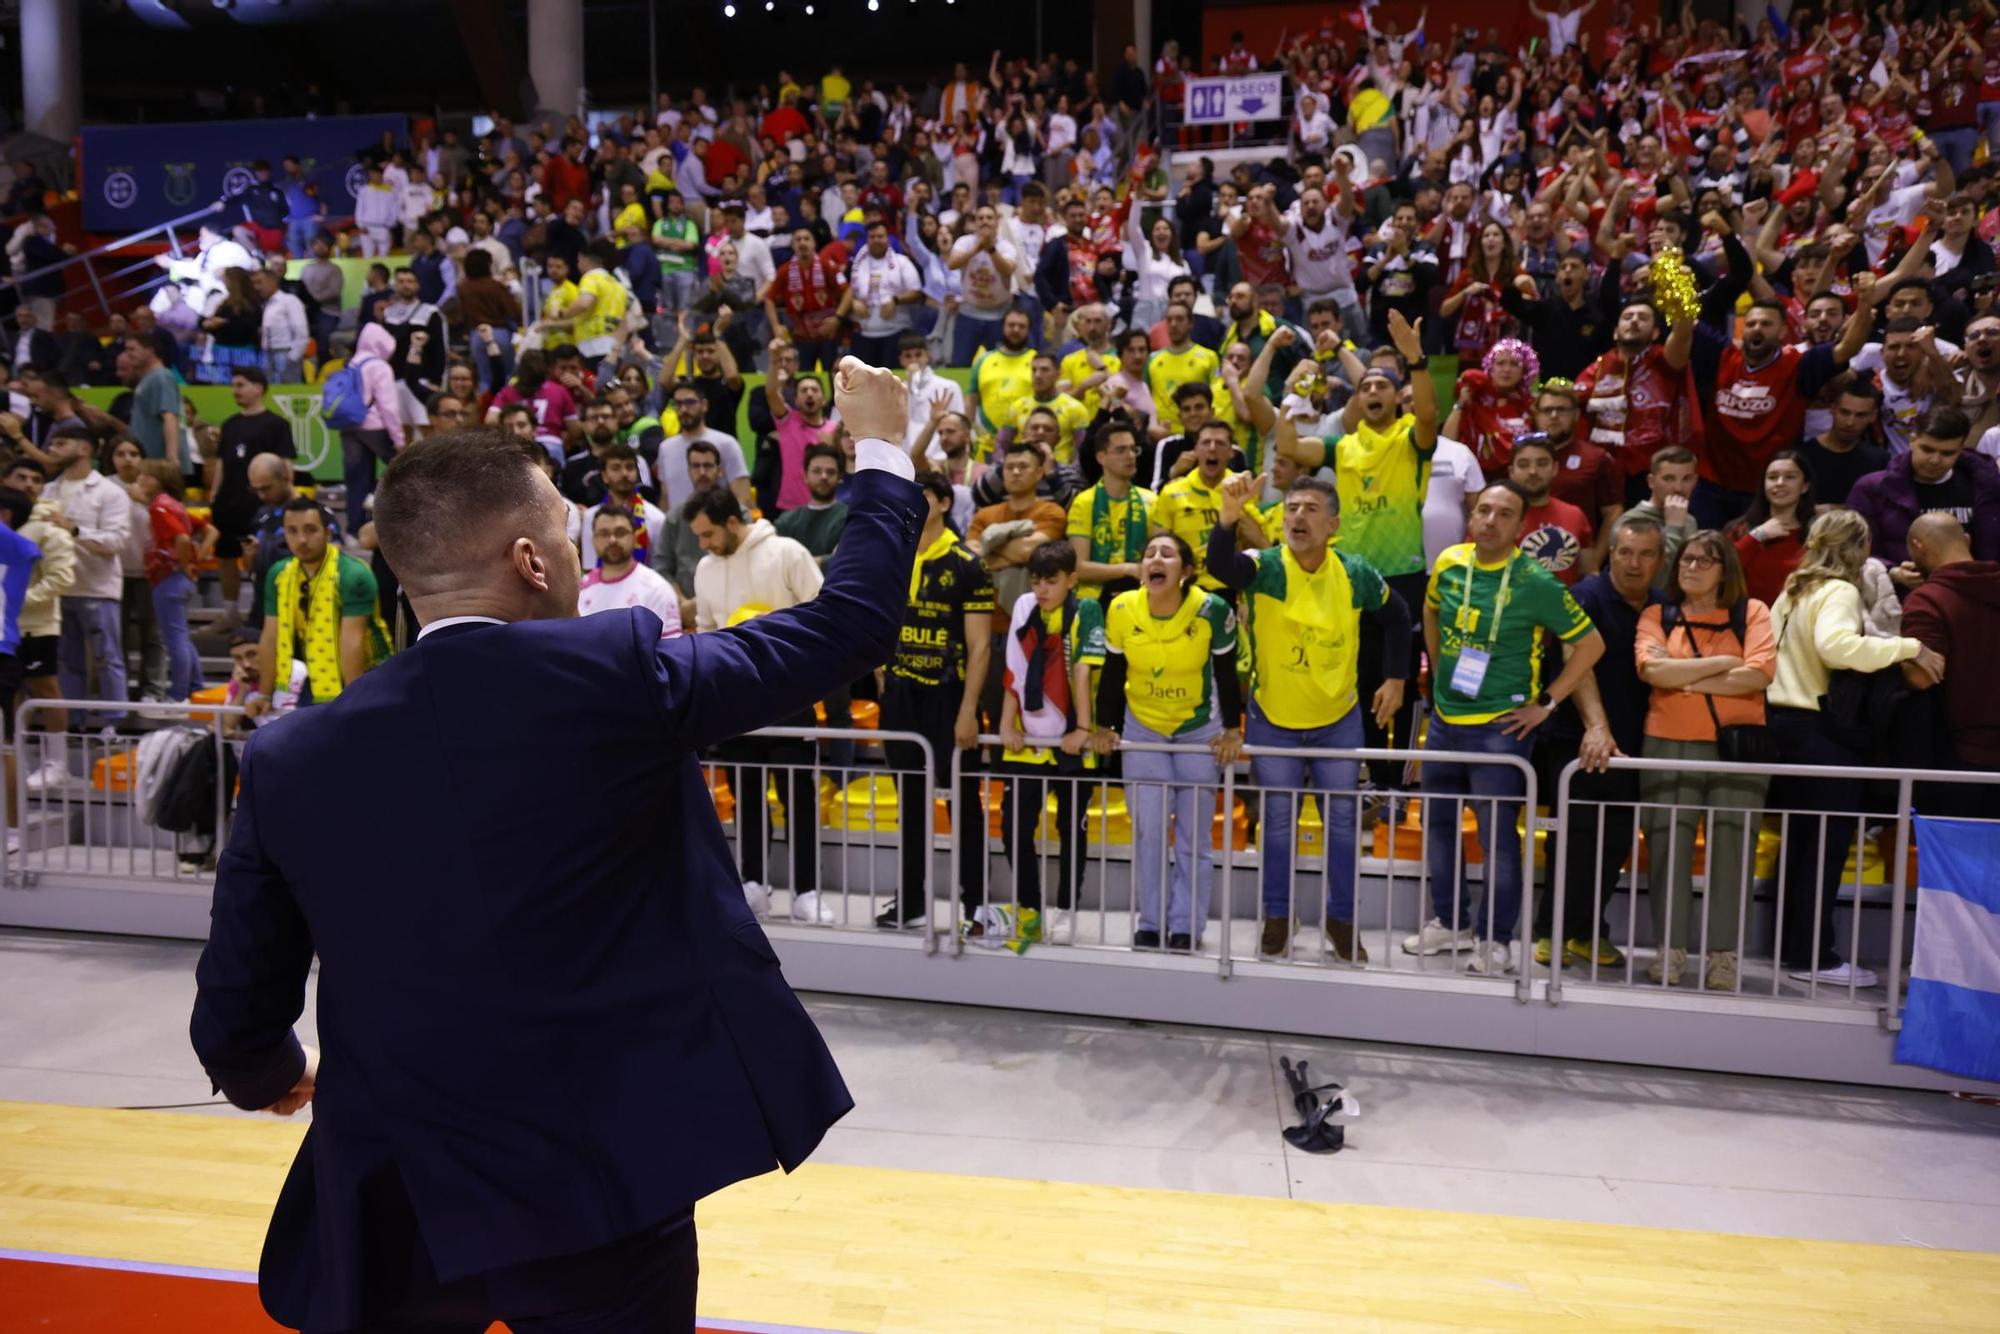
{"type": "Point", "coordinates": [1381, 477]}
{"type": "Point", "coordinates": [1001, 379]}
{"type": "Point", "coordinates": [1167, 370]}
{"type": "Point", "coordinates": [602, 319]}
{"type": "Point", "coordinates": [1075, 368]}
{"type": "Point", "coordinates": [1305, 630]}
{"type": "Point", "coordinates": [559, 299]}
{"type": "Point", "coordinates": [1116, 529]}
{"type": "Point", "coordinates": [1190, 508]}
{"type": "Point", "coordinates": [1169, 679]}
{"type": "Point", "coordinates": [1070, 418]}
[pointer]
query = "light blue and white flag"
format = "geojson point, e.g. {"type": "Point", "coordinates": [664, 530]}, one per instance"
{"type": "Point", "coordinates": [1952, 1020]}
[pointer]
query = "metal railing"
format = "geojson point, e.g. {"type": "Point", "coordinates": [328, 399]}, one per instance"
{"type": "Point", "coordinates": [95, 283]}
{"type": "Point", "coordinates": [77, 795]}
{"type": "Point", "coordinates": [1769, 846]}
{"type": "Point", "coordinates": [1228, 842]}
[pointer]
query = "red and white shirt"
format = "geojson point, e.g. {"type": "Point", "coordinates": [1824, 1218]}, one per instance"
{"type": "Point", "coordinates": [639, 586]}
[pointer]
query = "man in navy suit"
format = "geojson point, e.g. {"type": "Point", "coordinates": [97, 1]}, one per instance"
{"type": "Point", "coordinates": [545, 1037]}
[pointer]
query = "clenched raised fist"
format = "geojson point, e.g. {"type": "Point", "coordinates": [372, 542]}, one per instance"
{"type": "Point", "coordinates": [872, 402]}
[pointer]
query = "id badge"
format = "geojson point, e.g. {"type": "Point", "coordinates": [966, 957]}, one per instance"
{"type": "Point", "coordinates": [1470, 672]}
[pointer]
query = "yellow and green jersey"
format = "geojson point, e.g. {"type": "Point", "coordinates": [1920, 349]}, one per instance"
{"type": "Point", "coordinates": [1075, 368]}
{"type": "Point", "coordinates": [1381, 476]}
{"type": "Point", "coordinates": [1503, 610]}
{"type": "Point", "coordinates": [1189, 508]}
{"type": "Point", "coordinates": [1001, 379]}
{"type": "Point", "coordinates": [1169, 676]}
{"type": "Point", "coordinates": [1118, 527]}
{"type": "Point", "coordinates": [603, 318]}
{"type": "Point", "coordinates": [1167, 370]}
{"type": "Point", "coordinates": [1305, 634]}
{"type": "Point", "coordinates": [1070, 418]}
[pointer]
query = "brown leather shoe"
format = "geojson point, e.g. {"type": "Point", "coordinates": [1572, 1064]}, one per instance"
{"type": "Point", "coordinates": [1345, 947]}
{"type": "Point", "coordinates": [1277, 934]}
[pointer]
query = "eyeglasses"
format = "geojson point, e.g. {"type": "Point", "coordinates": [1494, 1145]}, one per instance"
{"type": "Point", "coordinates": [688, 404]}
{"type": "Point", "coordinates": [1697, 560]}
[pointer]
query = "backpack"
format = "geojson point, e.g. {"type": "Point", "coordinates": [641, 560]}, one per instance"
{"type": "Point", "coordinates": [343, 397]}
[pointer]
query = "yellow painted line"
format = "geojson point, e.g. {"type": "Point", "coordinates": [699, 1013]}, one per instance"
{"type": "Point", "coordinates": [879, 1250]}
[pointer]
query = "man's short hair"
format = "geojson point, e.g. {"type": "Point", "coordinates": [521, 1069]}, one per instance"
{"type": "Point", "coordinates": [1319, 486]}
{"type": "Point", "coordinates": [25, 464]}
{"type": "Point", "coordinates": [912, 342]}
{"type": "Point", "coordinates": [1853, 384]}
{"type": "Point", "coordinates": [440, 495]}
{"type": "Point", "coordinates": [58, 381]}
{"type": "Point", "coordinates": [1100, 439]}
{"type": "Point", "coordinates": [617, 450]}
{"type": "Point", "coordinates": [824, 452]}
{"type": "Point", "coordinates": [613, 512]}
{"type": "Point", "coordinates": [1216, 424]}
{"type": "Point", "coordinates": [254, 374]}
{"type": "Point", "coordinates": [718, 505]}
{"type": "Point", "coordinates": [1051, 559]}
{"type": "Point", "coordinates": [1324, 306]}
{"type": "Point", "coordinates": [704, 447]}
{"type": "Point", "coordinates": [1534, 440]}
{"type": "Point", "coordinates": [938, 485]}
{"type": "Point", "coordinates": [1192, 390]}
{"type": "Point", "coordinates": [1902, 324]}
{"type": "Point", "coordinates": [1511, 489]}
{"type": "Point", "coordinates": [1638, 523]}
{"type": "Point", "coordinates": [1944, 422]}
{"type": "Point", "coordinates": [565, 352]}
{"type": "Point", "coordinates": [1672, 454]}
{"type": "Point", "coordinates": [301, 504]}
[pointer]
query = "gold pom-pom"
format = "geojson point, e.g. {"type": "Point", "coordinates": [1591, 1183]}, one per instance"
{"type": "Point", "coordinates": [1674, 289]}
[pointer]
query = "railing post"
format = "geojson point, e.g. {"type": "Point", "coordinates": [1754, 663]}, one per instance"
{"type": "Point", "coordinates": [1524, 926]}
{"type": "Point", "coordinates": [1229, 865]}
{"type": "Point", "coordinates": [1558, 885]}
{"type": "Point", "coordinates": [1899, 903]}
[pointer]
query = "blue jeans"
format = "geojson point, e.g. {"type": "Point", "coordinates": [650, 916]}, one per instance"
{"type": "Point", "coordinates": [170, 604]}
{"type": "Point", "coordinates": [1714, 506]}
{"type": "Point", "coordinates": [359, 449]}
{"type": "Point", "coordinates": [1956, 146]}
{"type": "Point", "coordinates": [1333, 780]}
{"type": "Point", "coordinates": [299, 234]}
{"type": "Point", "coordinates": [1145, 771]}
{"type": "Point", "coordinates": [1031, 303]}
{"type": "Point", "coordinates": [493, 372]}
{"type": "Point", "coordinates": [677, 290]}
{"type": "Point", "coordinates": [1443, 783]}
{"type": "Point", "coordinates": [969, 334]}
{"type": "Point", "coordinates": [90, 633]}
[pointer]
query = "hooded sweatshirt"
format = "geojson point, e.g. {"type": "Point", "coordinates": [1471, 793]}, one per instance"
{"type": "Point", "coordinates": [1956, 611]}
{"type": "Point", "coordinates": [1888, 500]}
{"type": "Point", "coordinates": [378, 377]}
{"type": "Point", "coordinates": [766, 572]}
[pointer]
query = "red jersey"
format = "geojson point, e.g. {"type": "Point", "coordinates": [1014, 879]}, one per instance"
{"type": "Point", "coordinates": [1637, 412]}
{"type": "Point", "coordinates": [1989, 79]}
{"type": "Point", "coordinates": [1082, 255]}
{"type": "Point", "coordinates": [1843, 28]}
{"type": "Point", "coordinates": [1260, 252]}
{"type": "Point", "coordinates": [1805, 65]}
{"type": "Point", "coordinates": [1556, 534]}
{"type": "Point", "coordinates": [1488, 420]}
{"type": "Point", "coordinates": [1588, 478]}
{"type": "Point", "coordinates": [1759, 412]}
{"type": "Point", "coordinates": [807, 293]}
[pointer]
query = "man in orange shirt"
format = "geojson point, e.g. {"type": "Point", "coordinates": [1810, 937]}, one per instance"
{"type": "Point", "coordinates": [1004, 536]}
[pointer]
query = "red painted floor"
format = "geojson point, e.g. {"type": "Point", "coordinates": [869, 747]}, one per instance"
{"type": "Point", "coordinates": [76, 1299]}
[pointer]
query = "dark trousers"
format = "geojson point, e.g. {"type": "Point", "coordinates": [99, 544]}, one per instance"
{"type": "Point", "coordinates": [886, 350]}
{"type": "Point", "coordinates": [931, 712]}
{"type": "Point", "coordinates": [1368, 672]}
{"type": "Point", "coordinates": [1597, 802]}
{"type": "Point", "coordinates": [823, 353]}
{"type": "Point", "coordinates": [358, 451]}
{"type": "Point", "coordinates": [1713, 506]}
{"type": "Point", "coordinates": [641, 1284]}
{"type": "Point", "coordinates": [1028, 788]}
{"type": "Point", "coordinates": [1812, 874]}
{"type": "Point", "coordinates": [800, 786]}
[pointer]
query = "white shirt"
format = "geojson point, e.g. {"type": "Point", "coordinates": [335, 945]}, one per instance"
{"type": "Point", "coordinates": [654, 519]}
{"type": "Point", "coordinates": [1062, 133]}
{"type": "Point", "coordinates": [102, 512]}
{"type": "Point", "coordinates": [1455, 478]}
{"type": "Point", "coordinates": [285, 329]}
{"type": "Point", "coordinates": [1319, 258]}
{"type": "Point", "coordinates": [1316, 131]}
{"type": "Point", "coordinates": [639, 586]}
{"type": "Point", "coordinates": [753, 259]}
{"type": "Point", "coordinates": [874, 281]}
{"type": "Point", "coordinates": [675, 487]}
{"type": "Point", "coordinates": [926, 387]}
{"type": "Point", "coordinates": [1563, 29]}
{"type": "Point", "coordinates": [987, 294]}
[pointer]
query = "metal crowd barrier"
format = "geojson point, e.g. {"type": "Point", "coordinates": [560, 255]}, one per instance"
{"type": "Point", "coordinates": [1766, 856]}
{"type": "Point", "coordinates": [76, 796]}
{"type": "Point", "coordinates": [1234, 814]}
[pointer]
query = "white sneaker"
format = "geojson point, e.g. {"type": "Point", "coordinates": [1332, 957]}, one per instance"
{"type": "Point", "coordinates": [807, 907]}
{"type": "Point", "coordinates": [1839, 976]}
{"type": "Point", "coordinates": [52, 775]}
{"type": "Point", "coordinates": [1057, 926]}
{"type": "Point", "coordinates": [1436, 938]}
{"type": "Point", "coordinates": [1492, 959]}
{"type": "Point", "coordinates": [757, 897]}
{"type": "Point", "coordinates": [13, 843]}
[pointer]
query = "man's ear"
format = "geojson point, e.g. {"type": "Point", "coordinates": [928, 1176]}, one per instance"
{"type": "Point", "coordinates": [530, 564]}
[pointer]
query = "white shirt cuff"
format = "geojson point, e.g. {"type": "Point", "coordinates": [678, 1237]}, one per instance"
{"type": "Point", "coordinates": [873, 453]}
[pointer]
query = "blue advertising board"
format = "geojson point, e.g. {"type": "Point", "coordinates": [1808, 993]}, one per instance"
{"type": "Point", "coordinates": [136, 176]}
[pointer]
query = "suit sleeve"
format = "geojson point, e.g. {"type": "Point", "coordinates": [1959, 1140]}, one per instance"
{"type": "Point", "coordinates": [722, 684]}
{"type": "Point", "coordinates": [250, 985]}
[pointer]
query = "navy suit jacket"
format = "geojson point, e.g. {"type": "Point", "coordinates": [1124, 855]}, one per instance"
{"type": "Point", "coordinates": [547, 1018]}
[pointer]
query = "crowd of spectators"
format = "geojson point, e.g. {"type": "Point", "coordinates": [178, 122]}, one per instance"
{"type": "Point", "coordinates": [1261, 445]}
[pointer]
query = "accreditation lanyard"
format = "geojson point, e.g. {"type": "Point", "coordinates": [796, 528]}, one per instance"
{"type": "Point", "coordinates": [1468, 674]}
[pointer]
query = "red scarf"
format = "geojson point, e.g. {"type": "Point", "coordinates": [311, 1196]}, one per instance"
{"type": "Point", "coordinates": [808, 290]}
